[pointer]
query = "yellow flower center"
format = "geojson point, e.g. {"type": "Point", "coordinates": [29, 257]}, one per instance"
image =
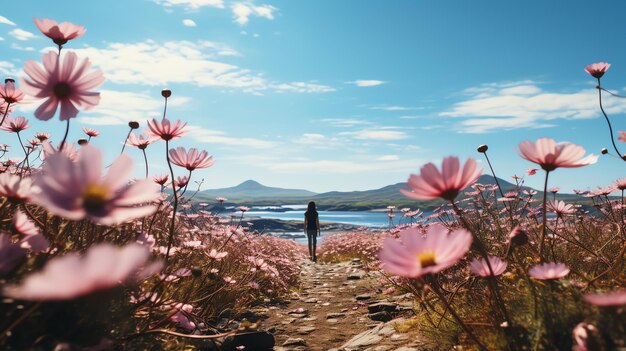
{"type": "Point", "coordinates": [95, 197]}
{"type": "Point", "coordinates": [426, 259]}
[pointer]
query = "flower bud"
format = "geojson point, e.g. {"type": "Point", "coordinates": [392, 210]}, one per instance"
{"type": "Point", "coordinates": [166, 93]}
{"type": "Point", "coordinates": [482, 148]}
{"type": "Point", "coordinates": [604, 151]}
{"type": "Point", "coordinates": [133, 124]}
{"type": "Point", "coordinates": [82, 142]}
{"type": "Point", "coordinates": [9, 80]}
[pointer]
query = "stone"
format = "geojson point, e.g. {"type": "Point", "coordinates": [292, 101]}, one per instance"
{"type": "Point", "coordinates": [335, 315]}
{"type": "Point", "coordinates": [311, 300]}
{"type": "Point", "coordinates": [252, 341]}
{"type": "Point", "coordinates": [294, 342]}
{"type": "Point", "coordinates": [404, 348]}
{"type": "Point", "coordinates": [356, 260]}
{"type": "Point", "coordinates": [356, 275]}
{"type": "Point", "coordinates": [382, 316]}
{"type": "Point", "coordinates": [382, 307]}
{"type": "Point", "coordinates": [332, 321]}
{"type": "Point", "coordinates": [379, 348]}
{"type": "Point", "coordinates": [399, 337]}
{"type": "Point", "coordinates": [305, 330]}
{"type": "Point", "coordinates": [363, 297]}
{"type": "Point", "coordinates": [367, 338]}
{"type": "Point", "coordinates": [387, 330]}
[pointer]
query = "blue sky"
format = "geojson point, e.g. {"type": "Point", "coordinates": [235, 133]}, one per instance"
{"type": "Point", "coordinates": [342, 95]}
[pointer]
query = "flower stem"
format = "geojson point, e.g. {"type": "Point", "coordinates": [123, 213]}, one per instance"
{"type": "Point", "coordinates": [619, 154]}
{"type": "Point", "coordinates": [67, 130]}
{"type": "Point", "coordinates": [126, 140]}
{"type": "Point", "coordinates": [6, 112]}
{"type": "Point", "coordinates": [175, 208]}
{"type": "Point", "coordinates": [145, 158]}
{"type": "Point", "coordinates": [26, 163]}
{"type": "Point", "coordinates": [543, 216]}
{"type": "Point", "coordinates": [435, 287]}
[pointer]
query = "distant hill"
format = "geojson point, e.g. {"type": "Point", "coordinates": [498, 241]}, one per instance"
{"type": "Point", "coordinates": [252, 193]}
{"type": "Point", "coordinates": [250, 190]}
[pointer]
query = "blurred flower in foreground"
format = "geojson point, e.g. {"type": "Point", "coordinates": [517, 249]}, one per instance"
{"type": "Point", "coordinates": [547, 271]}
{"type": "Point", "coordinates": [613, 298]}
{"type": "Point", "coordinates": [64, 82]}
{"type": "Point", "coordinates": [432, 184]}
{"type": "Point", "coordinates": [102, 267]}
{"type": "Point", "coordinates": [78, 190]}
{"type": "Point", "coordinates": [415, 255]}
{"type": "Point", "coordinates": [480, 267]}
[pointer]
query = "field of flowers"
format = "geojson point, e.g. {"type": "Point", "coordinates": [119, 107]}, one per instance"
{"type": "Point", "coordinates": [100, 261]}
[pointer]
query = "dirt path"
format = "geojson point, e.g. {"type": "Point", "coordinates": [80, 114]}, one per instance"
{"type": "Point", "coordinates": [332, 307]}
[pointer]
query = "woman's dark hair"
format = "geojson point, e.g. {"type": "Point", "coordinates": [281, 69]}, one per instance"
{"type": "Point", "coordinates": [311, 208]}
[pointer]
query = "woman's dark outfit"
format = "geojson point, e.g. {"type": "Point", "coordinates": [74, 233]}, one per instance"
{"type": "Point", "coordinates": [311, 232]}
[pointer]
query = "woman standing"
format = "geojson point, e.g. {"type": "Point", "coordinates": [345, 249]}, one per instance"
{"type": "Point", "coordinates": [312, 228]}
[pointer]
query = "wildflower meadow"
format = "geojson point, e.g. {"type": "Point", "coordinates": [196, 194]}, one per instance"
{"type": "Point", "coordinates": [93, 259]}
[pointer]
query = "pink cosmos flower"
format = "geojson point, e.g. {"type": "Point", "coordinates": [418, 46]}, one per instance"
{"type": "Point", "coordinates": [614, 298]}
{"type": "Point", "coordinates": [10, 94]}
{"type": "Point", "coordinates": [598, 69]}
{"type": "Point", "coordinates": [561, 208]}
{"type": "Point", "coordinates": [551, 155]}
{"type": "Point", "coordinates": [68, 150]}
{"type": "Point", "coordinates": [221, 199]}
{"type": "Point", "coordinates": [620, 184]}
{"type": "Point", "coordinates": [531, 171]}
{"type": "Point", "coordinates": [15, 125]}
{"type": "Point", "coordinates": [33, 239]}
{"type": "Point", "coordinates": [161, 179]}
{"type": "Point", "coordinates": [547, 271]}
{"type": "Point", "coordinates": [190, 160]}
{"type": "Point", "coordinates": [217, 255]}
{"type": "Point", "coordinates": [622, 136]}
{"type": "Point", "coordinates": [59, 33]}
{"type": "Point", "coordinates": [16, 188]}
{"type": "Point", "coordinates": [142, 141]}
{"type": "Point", "coordinates": [42, 136]}
{"type": "Point", "coordinates": [78, 190]}
{"type": "Point", "coordinates": [181, 181]}
{"type": "Point", "coordinates": [243, 208]}
{"type": "Point", "coordinates": [165, 130]}
{"type": "Point", "coordinates": [480, 267]}
{"type": "Point", "coordinates": [555, 190]}
{"type": "Point", "coordinates": [431, 184]}
{"type": "Point", "coordinates": [10, 254]}
{"type": "Point", "coordinates": [91, 132]}
{"type": "Point", "coordinates": [416, 255]}
{"type": "Point", "coordinates": [102, 267]}
{"type": "Point", "coordinates": [64, 82]}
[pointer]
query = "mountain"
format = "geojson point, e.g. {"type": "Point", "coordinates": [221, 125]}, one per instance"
{"type": "Point", "coordinates": [253, 193]}
{"type": "Point", "coordinates": [252, 190]}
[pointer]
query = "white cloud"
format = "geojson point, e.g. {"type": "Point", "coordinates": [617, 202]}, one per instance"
{"type": "Point", "coordinates": [367, 83]}
{"type": "Point", "coordinates": [303, 87]}
{"type": "Point", "coordinates": [525, 105]}
{"type": "Point", "coordinates": [376, 134]}
{"type": "Point", "coordinates": [21, 34]}
{"type": "Point", "coordinates": [22, 48]}
{"type": "Point", "coordinates": [189, 23]}
{"type": "Point", "coordinates": [345, 122]}
{"type": "Point", "coordinates": [200, 63]}
{"type": "Point", "coordinates": [396, 108]}
{"type": "Point", "coordinates": [203, 135]}
{"type": "Point", "coordinates": [243, 10]}
{"type": "Point", "coordinates": [1, 39]}
{"type": "Point", "coordinates": [336, 166]}
{"type": "Point", "coordinates": [191, 4]}
{"type": "Point", "coordinates": [388, 158]}
{"type": "Point", "coordinates": [7, 68]}
{"type": "Point", "coordinates": [5, 20]}
{"type": "Point", "coordinates": [318, 141]}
